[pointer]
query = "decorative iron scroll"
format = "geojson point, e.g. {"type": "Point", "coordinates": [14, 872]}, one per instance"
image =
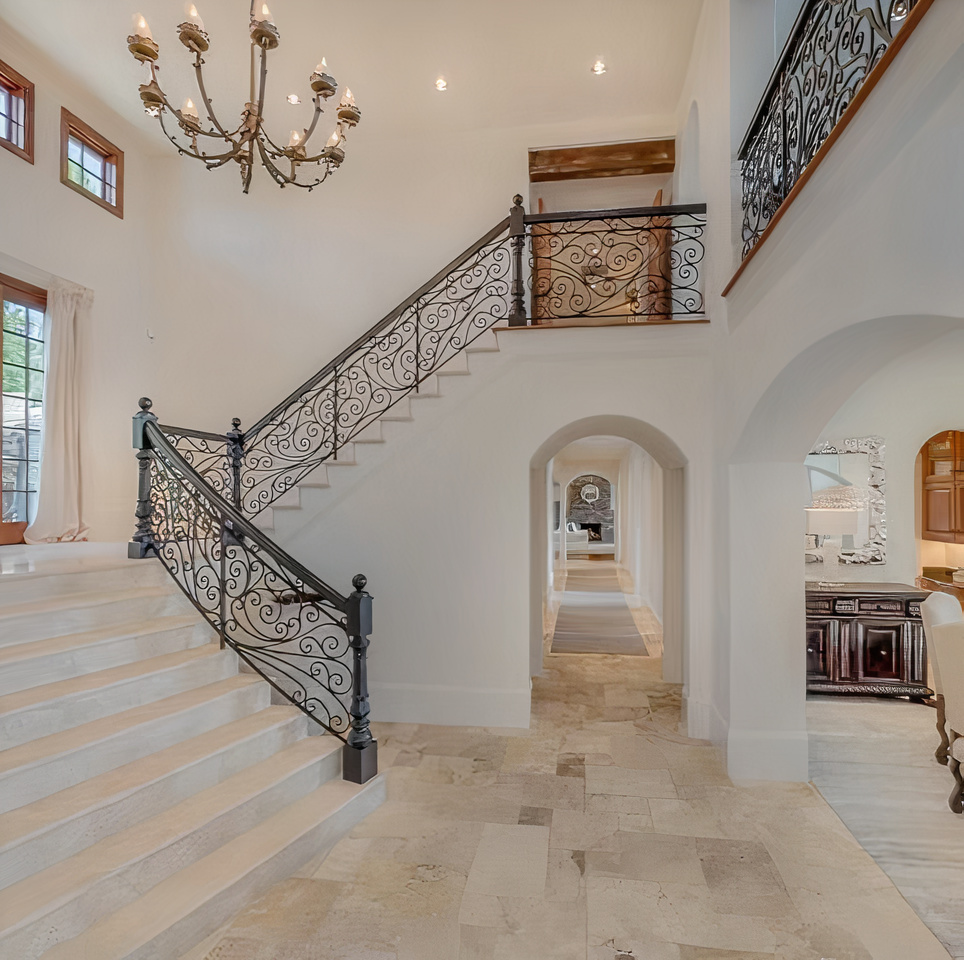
{"type": "Point", "coordinates": [630, 267]}
{"type": "Point", "coordinates": [833, 47]}
{"type": "Point", "coordinates": [285, 625]}
{"type": "Point", "coordinates": [379, 372]}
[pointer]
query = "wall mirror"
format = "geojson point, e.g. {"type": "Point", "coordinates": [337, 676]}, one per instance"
{"type": "Point", "coordinates": [846, 518]}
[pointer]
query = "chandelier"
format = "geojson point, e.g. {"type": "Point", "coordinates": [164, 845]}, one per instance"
{"type": "Point", "coordinates": [216, 145]}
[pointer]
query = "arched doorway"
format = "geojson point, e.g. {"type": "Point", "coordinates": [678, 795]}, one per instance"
{"type": "Point", "coordinates": [672, 462]}
{"type": "Point", "coordinates": [767, 486]}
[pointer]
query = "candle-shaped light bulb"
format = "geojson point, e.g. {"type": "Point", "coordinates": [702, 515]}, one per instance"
{"type": "Point", "coordinates": [263, 15]}
{"type": "Point", "coordinates": [334, 139]}
{"type": "Point", "coordinates": [322, 67]}
{"type": "Point", "coordinates": [193, 16]}
{"type": "Point", "coordinates": [295, 139]}
{"type": "Point", "coordinates": [189, 111]}
{"type": "Point", "coordinates": [347, 100]}
{"type": "Point", "coordinates": [141, 29]}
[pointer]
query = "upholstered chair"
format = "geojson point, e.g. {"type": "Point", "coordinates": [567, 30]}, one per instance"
{"type": "Point", "coordinates": [939, 608]}
{"type": "Point", "coordinates": [948, 644]}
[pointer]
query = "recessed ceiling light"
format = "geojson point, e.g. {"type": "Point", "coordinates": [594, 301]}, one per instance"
{"type": "Point", "coordinates": [441, 84]}
{"type": "Point", "coordinates": [599, 68]}
{"type": "Point", "coordinates": [294, 98]}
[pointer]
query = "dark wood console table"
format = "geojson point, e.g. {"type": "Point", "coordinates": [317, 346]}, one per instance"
{"type": "Point", "coordinates": [866, 638]}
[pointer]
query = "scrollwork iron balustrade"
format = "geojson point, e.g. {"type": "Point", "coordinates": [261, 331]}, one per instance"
{"type": "Point", "coordinates": [832, 49]}
{"type": "Point", "coordinates": [363, 383]}
{"type": "Point", "coordinates": [639, 265]}
{"type": "Point", "coordinates": [302, 636]}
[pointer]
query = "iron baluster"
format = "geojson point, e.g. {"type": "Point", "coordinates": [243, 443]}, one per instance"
{"type": "Point", "coordinates": [334, 422]}
{"type": "Point", "coordinates": [418, 345]}
{"type": "Point", "coordinates": [142, 543]}
{"type": "Point", "coordinates": [517, 231]}
{"type": "Point", "coordinates": [360, 753]}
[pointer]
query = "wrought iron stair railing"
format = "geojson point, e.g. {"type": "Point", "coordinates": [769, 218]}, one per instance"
{"type": "Point", "coordinates": [199, 491]}
{"type": "Point", "coordinates": [832, 49]}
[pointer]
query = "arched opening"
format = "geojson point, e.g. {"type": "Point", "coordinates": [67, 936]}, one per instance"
{"type": "Point", "coordinates": [546, 550]}
{"type": "Point", "coordinates": [768, 489]}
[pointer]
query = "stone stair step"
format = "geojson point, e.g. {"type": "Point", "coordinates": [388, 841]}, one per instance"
{"type": "Point", "coordinates": [41, 767]}
{"type": "Point", "coordinates": [35, 836]}
{"type": "Point", "coordinates": [184, 908]}
{"type": "Point", "coordinates": [63, 900]}
{"type": "Point", "coordinates": [103, 574]}
{"type": "Point", "coordinates": [487, 342]}
{"type": "Point", "coordinates": [58, 658]}
{"type": "Point", "coordinates": [75, 612]}
{"type": "Point", "coordinates": [51, 707]}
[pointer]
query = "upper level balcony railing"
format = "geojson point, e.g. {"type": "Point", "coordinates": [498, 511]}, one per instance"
{"type": "Point", "coordinates": [608, 267]}
{"type": "Point", "coordinates": [833, 48]}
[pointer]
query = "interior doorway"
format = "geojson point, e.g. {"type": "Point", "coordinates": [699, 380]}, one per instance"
{"type": "Point", "coordinates": [605, 584]}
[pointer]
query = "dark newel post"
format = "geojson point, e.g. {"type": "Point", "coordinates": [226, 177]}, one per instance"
{"type": "Point", "coordinates": [142, 543]}
{"type": "Point", "coordinates": [235, 440]}
{"type": "Point", "coordinates": [360, 754]}
{"type": "Point", "coordinates": [517, 231]}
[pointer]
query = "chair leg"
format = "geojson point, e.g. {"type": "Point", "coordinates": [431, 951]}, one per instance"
{"type": "Point", "coordinates": [956, 799]}
{"type": "Point", "coordinates": [941, 753]}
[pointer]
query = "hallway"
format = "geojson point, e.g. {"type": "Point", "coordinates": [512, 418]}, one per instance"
{"type": "Point", "coordinates": [599, 833]}
{"type": "Point", "coordinates": [595, 615]}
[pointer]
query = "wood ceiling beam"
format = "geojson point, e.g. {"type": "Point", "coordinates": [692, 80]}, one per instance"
{"type": "Point", "coordinates": [633, 159]}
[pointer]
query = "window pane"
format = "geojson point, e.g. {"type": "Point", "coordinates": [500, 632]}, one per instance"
{"type": "Point", "coordinates": [14, 317]}
{"type": "Point", "coordinates": [4, 113]}
{"type": "Point", "coordinates": [93, 162]}
{"type": "Point", "coordinates": [14, 445]}
{"type": "Point", "coordinates": [14, 350]}
{"type": "Point", "coordinates": [14, 379]}
{"type": "Point", "coordinates": [35, 385]}
{"type": "Point", "coordinates": [35, 324]}
{"type": "Point", "coordinates": [75, 172]}
{"type": "Point", "coordinates": [13, 473]}
{"type": "Point", "coordinates": [33, 476]}
{"type": "Point", "coordinates": [13, 411]}
{"type": "Point", "coordinates": [14, 507]}
{"type": "Point", "coordinates": [35, 354]}
{"type": "Point", "coordinates": [75, 150]}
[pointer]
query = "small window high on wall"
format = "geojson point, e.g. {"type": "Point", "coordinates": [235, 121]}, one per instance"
{"type": "Point", "coordinates": [21, 403]}
{"type": "Point", "coordinates": [16, 113]}
{"type": "Point", "coordinates": [91, 164]}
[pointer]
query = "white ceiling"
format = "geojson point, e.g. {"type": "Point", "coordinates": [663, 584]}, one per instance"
{"type": "Point", "coordinates": [507, 62]}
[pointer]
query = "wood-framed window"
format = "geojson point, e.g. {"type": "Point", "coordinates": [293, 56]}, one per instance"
{"type": "Point", "coordinates": [91, 164]}
{"type": "Point", "coordinates": [21, 403]}
{"type": "Point", "coordinates": [16, 112]}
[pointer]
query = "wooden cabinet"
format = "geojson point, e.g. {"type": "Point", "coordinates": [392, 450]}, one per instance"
{"type": "Point", "coordinates": [866, 638]}
{"type": "Point", "coordinates": [942, 487]}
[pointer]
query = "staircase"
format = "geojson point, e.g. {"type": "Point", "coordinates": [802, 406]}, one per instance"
{"type": "Point", "coordinates": [149, 789]}
{"type": "Point", "coordinates": [404, 411]}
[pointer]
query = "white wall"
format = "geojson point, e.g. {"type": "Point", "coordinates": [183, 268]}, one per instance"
{"type": "Point", "coordinates": [48, 230]}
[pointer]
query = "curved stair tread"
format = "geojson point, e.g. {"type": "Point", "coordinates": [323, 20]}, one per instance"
{"type": "Point", "coordinates": [121, 783]}
{"type": "Point", "coordinates": [30, 900]}
{"type": "Point", "coordinates": [196, 900]}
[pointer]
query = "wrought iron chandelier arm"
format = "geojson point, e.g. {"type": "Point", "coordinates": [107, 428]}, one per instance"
{"type": "Point", "coordinates": [206, 100]}
{"type": "Point", "coordinates": [239, 523]}
{"type": "Point", "coordinates": [215, 160]}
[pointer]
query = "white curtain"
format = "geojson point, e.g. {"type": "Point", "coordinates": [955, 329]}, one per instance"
{"type": "Point", "coordinates": [59, 504]}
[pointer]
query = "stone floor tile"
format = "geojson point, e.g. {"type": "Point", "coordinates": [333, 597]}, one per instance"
{"type": "Point", "coordinates": [511, 861]}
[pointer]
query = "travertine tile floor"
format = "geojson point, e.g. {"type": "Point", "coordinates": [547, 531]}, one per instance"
{"type": "Point", "coordinates": [599, 833]}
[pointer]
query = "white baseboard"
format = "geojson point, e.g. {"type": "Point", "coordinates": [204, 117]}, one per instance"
{"type": "Point", "coordinates": [452, 706]}
{"type": "Point", "coordinates": [768, 755]}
